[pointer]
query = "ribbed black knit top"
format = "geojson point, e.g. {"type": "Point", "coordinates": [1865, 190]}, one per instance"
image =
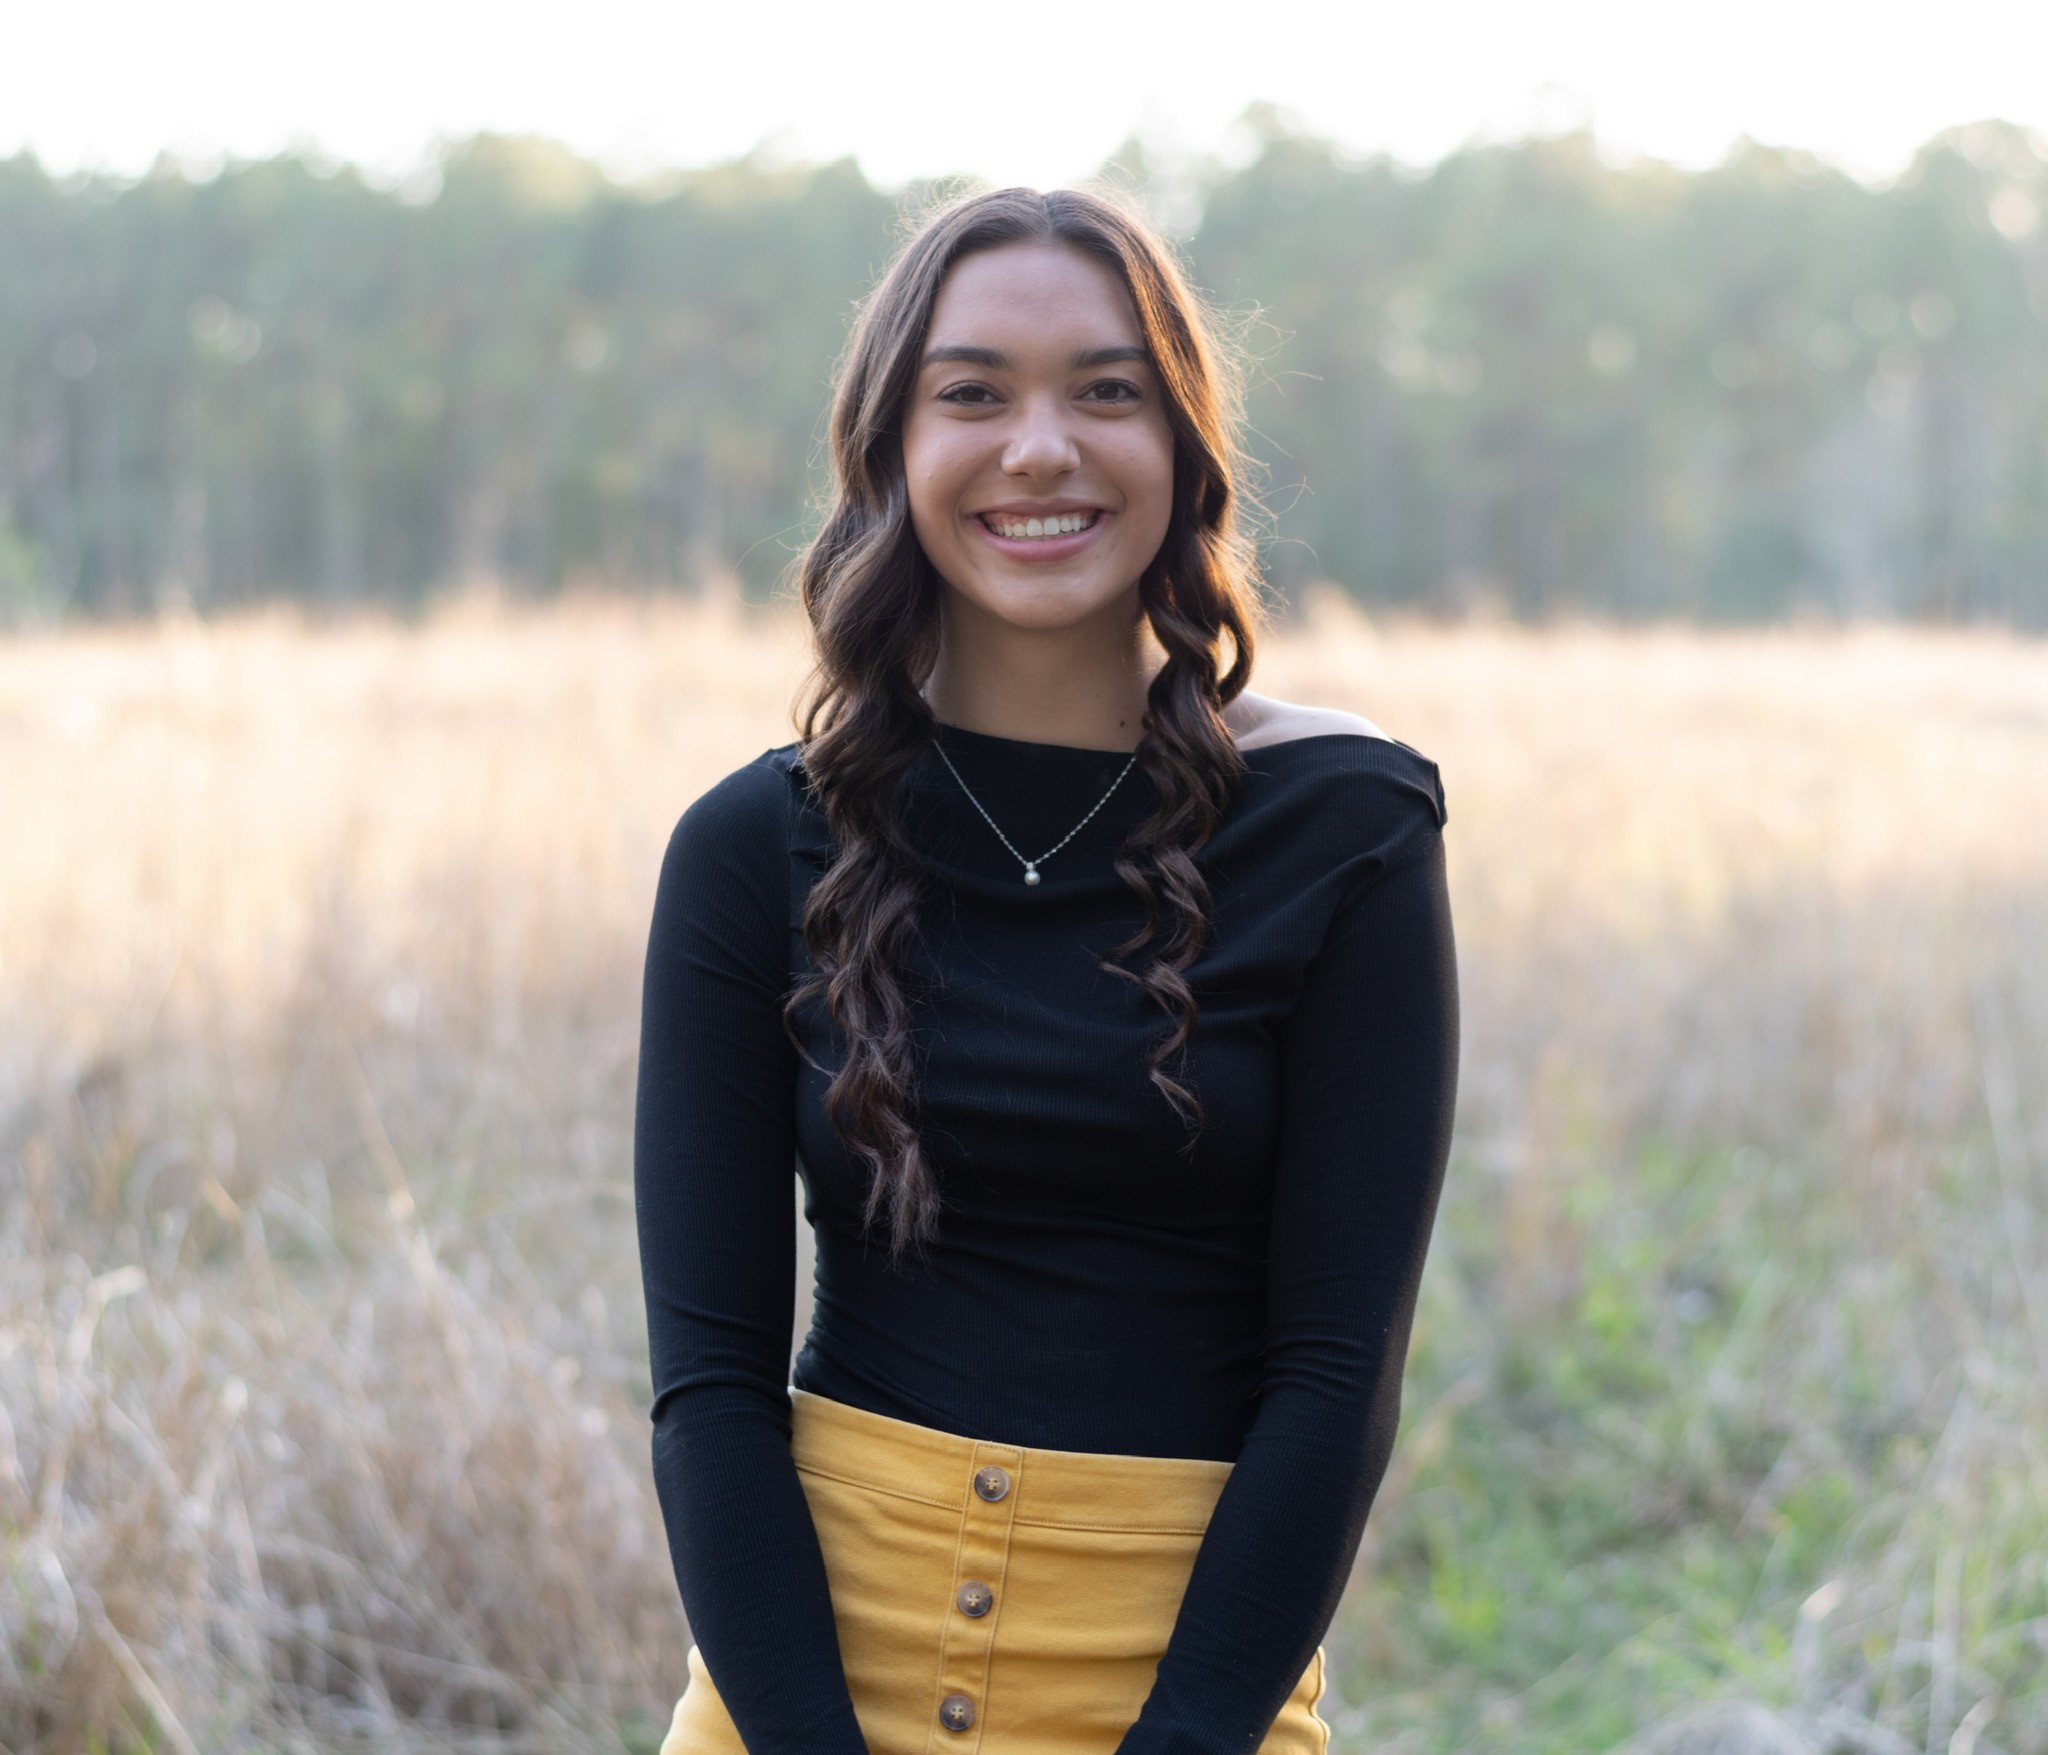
{"type": "Point", "coordinates": [1094, 1285]}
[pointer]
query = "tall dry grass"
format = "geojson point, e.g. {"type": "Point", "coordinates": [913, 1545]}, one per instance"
{"type": "Point", "coordinates": [321, 1372]}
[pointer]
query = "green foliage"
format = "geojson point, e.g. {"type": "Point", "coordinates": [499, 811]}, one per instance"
{"type": "Point", "coordinates": [1531, 377]}
{"type": "Point", "coordinates": [1698, 1464]}
{"type": "Point", "coordinates": [1526, 377]}
{"type": "Point", "coordinates": [25, 594]}
{"type": "Point", "coordinates": [283, 380]}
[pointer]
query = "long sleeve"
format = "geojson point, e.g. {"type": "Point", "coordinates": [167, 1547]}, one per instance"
{"type": "Point", "coordinates": [714, 1194]}
{"type": "Point", "coordinates": [1368, 1078]}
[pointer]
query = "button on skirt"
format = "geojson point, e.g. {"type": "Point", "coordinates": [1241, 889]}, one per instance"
{"type": "Point", "coordinates": [993, 1599]}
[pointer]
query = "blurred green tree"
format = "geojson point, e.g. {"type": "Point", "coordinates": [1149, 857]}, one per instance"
{"type": "Point", "coordinates": [1525, 376]}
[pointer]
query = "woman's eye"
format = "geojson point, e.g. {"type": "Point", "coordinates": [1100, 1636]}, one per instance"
{"type": "Point", "coordinates": [968, 395]}
{"type": "Point", "coordinates": [1112, 390]}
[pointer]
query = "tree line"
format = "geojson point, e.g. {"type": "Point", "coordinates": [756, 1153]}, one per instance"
{"type": "Point", "coordinates": [1525, 378]}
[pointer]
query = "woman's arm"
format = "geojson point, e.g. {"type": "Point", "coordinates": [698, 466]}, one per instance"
{"type": "Point", "coordinates": [1368, 1076]}
{"type": "Point", "coordinates": [714, 1191]}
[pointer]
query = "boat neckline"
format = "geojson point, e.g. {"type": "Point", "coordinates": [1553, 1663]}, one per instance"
{"type": "Point", "coordinates": [1082, 749]}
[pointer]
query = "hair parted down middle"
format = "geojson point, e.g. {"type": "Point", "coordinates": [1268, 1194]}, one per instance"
{"type": "Point", "coordinates": [874, 605]}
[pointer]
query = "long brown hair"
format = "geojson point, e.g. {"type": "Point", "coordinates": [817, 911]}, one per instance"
{"type": "Point", "coordinates": [873, 600]}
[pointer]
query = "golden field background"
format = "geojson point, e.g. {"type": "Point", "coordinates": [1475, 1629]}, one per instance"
{"type": "Point", "coordinates": [322, 1381]}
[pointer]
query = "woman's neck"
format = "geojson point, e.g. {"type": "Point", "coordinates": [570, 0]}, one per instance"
{"type": "Point", "coordinates": [1083, 685]}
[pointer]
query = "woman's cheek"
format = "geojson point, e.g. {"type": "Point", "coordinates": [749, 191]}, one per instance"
{"type": "Point", "coordinates": [927, 497]}
{"type": "Point", "coordinates": [1155, 496]}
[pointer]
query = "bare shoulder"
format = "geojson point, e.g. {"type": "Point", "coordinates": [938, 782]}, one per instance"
{"type": "Point", "coordinates": [1258, 720]}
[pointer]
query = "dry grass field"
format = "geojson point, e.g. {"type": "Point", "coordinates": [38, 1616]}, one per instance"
{"type": "Point", "coordinates": [322, 1384]}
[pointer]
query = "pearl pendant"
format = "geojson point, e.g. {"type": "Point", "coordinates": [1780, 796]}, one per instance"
{"type": "Point", "coordinates": [1031, 874]}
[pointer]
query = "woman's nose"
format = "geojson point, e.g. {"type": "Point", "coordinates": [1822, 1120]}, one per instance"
{"type": "Point", "coordinates": [1041, 443]}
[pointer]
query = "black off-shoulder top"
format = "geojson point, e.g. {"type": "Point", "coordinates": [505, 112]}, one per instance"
{"type": "Point", "coordinates": [1095, 1284]}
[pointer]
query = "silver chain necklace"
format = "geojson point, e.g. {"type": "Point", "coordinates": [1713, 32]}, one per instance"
{"type": "Point", "coordinates": [1031, 865]}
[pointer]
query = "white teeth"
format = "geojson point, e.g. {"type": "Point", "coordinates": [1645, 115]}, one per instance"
{"type": "Point", "coordinates": [1066, 524]}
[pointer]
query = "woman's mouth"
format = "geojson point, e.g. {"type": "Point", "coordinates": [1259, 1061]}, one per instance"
{"type": "Point", "coordinates": [1017, 529]}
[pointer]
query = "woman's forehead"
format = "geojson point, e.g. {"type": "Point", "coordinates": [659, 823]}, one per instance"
{"type": "Point", "coordinates": [1043, 291]}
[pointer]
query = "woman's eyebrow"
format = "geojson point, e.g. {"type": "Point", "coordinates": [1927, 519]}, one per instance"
{"type": "Point", "coordinates": [992, 357]}
{"type": "Point", "coordinates": [965, 354]}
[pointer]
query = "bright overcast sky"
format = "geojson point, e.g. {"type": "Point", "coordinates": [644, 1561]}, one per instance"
{"type": "Point", "coordinates": [1035, 94]}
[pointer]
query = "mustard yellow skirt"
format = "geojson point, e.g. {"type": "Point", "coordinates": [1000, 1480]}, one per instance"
{"type": "Point", "coordinates": [992, 1599]}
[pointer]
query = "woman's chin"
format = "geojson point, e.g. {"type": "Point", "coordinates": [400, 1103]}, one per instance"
{"type": "Point", "coordinates": [1047, 604]}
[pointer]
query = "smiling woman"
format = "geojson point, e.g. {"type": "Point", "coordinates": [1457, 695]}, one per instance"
{"type": "Point", "coordinates": [1041, 469]}
{"type": "Point", "coordinates": [1122, 1157]}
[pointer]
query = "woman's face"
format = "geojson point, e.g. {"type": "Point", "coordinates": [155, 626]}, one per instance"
{"type": "Point", "coordinates": [1035, 444]}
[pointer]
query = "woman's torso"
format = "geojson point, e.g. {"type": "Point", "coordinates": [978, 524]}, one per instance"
{"type": "Point", "coordinates": [1098, 1282]}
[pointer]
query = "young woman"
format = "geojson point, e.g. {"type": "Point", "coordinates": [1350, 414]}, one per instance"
{"type": "Point", "coordinates": [1108, 1013]}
